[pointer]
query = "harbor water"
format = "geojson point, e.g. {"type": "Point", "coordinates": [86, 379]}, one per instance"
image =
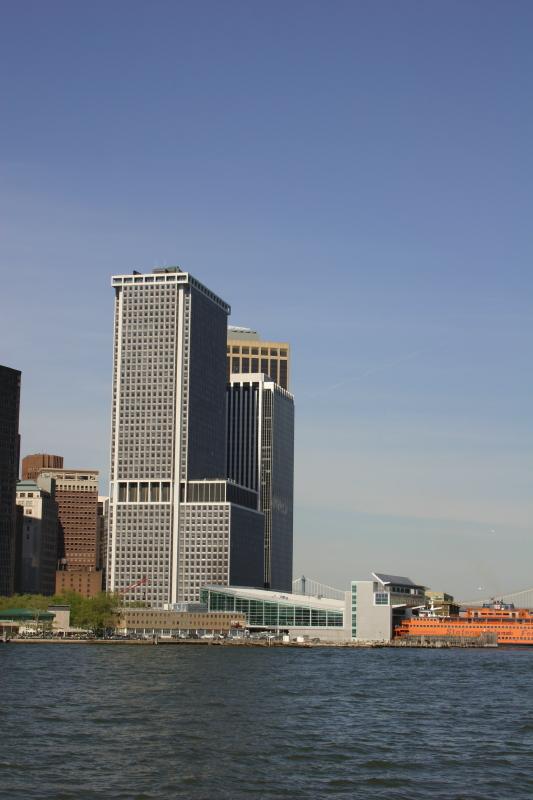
{"type": "Point", "coordinates": [215, 723]}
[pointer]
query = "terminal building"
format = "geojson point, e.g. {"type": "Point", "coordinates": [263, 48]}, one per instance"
{"type": "Point", "coordinates": [369, 612]}
{"type": "Point", "coordinates": [283, 612]}
{"type": "Point", "coordinates": [374, 607]}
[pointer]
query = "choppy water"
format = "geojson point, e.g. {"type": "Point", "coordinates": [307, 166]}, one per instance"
{"type": "Point", "coordinates": [147, 723]}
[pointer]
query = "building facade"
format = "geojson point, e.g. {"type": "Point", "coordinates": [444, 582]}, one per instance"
{"type": "Point", "coordinates": [87, 582]}
{"type": "Point", "coordinates": [282, 612]}
{"type": "Point", "coordinates": [76, 494]}
{"type": "Point", "coordinates": [247, 352]}
{"type": "Point", "coordinates": [220, 538]}
{"type": "Point", "coordinates": [33, 464]}
{"type": "Point", "coordinates": [102, 521]}
{"type": "Point", "coordinates": [9, 470]}
{"type": "Point", "coordinates": [168, 430]}
{"type": "Point", "coordinates": [374, 607]}
{"type": "Point", "coordinates": [37, 551]}
{"type": "Point", "coordinates": [158, 622]}
{"type": "Point", "coordinates": [260, 455]}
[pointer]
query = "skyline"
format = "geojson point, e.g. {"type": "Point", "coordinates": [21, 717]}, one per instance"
{"type": "Point", "coordinates": [367, 203]}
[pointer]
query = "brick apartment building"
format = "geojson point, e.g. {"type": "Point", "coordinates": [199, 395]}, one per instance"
{"type": "Point", "coordinates": [77, 500]}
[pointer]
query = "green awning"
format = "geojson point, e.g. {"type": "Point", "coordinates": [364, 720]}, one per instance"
{"type": "Point", "coordinates": [26, 614]}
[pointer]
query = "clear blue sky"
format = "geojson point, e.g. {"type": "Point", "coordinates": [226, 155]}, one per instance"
{"type": "Point", "coordinates": [355, 177]}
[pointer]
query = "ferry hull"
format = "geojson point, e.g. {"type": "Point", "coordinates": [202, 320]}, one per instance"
{"type": "Point", "coordinates": [510, 626]}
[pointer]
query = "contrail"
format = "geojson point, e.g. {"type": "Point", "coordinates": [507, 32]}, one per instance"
{"type": "Point", "coordinates": [357, 376]}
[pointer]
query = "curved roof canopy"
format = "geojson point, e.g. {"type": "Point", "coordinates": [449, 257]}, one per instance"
{"type": "Point", "coordinates": [24, 614]}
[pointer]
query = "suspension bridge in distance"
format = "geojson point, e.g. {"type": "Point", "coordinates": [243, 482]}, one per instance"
{"type": "Point", "coordinates": [312, 588]}
{"type": "Point", "coordinates": [522, 599]}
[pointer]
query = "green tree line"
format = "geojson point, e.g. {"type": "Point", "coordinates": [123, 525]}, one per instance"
{"type": "Point", "coordinates": [94, 613]}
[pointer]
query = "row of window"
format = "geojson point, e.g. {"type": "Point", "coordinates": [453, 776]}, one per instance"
{"type": "Point", "coordinates": [266, 613]}
{"type": "Point", "coordinates": [255, 351]}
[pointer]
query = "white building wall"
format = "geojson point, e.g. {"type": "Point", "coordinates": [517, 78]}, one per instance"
{"type": "Point", "coordinates": [373, 623]}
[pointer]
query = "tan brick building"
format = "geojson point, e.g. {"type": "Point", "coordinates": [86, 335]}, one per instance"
{"type": "Point", "coordinates": [248, 353]}
{"type": "Point", "coordinates": [153, 621]}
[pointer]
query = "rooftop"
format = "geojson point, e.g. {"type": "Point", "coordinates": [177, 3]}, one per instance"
{"type": "Point", "coordinates": [166, 275]}
{"type": "Point", "coordinates": [258, 377]}
{"type": "Point", "coordinates": [400, 580]}
{"type": "Point", "coordinates": [25, 614]}
{"type": "Point", "coordinates": [28, 484]}
{"type": "Point", "coordinates": [237, 332]}
{"type": "Point", "coordinates": [289, 598]}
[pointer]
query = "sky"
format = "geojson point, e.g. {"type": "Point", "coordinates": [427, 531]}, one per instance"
{"type": "Point", "coordinates": [353, 177]}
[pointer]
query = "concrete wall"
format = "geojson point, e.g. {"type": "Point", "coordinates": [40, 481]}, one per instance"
{"type": "Point", "coordinates": [324, 634]}
{"type": "Point", "coordinates": [374, 623]}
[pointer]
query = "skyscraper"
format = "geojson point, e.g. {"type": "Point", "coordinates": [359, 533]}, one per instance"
{"type": "Point", "coordinates": [260, 455]}
{"type": "Point", "coordinates": [9, 470]}
{"type": "Point", "coordinates": [247, 353]}
{"type": "Point", "coordinates": [168, 432]}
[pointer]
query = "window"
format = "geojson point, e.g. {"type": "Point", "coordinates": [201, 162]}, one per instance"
{"type": "Point", "coordinates": [381, 598]}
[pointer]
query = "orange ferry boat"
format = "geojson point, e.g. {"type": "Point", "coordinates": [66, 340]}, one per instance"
{"type": "Point", "coordinates": [511, 625]}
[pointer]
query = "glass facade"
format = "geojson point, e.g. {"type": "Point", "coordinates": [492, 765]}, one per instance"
{"type": "Point", "coordinates": [260, 455]}
{"type": "Point", "coordinates": [272, 613]}
{"type": "Point", "coordinates": [206, 445]}
{"type": "Point", "coordinates": [9, 463]}
{"type": "Point", "coordinates": [277, 486]}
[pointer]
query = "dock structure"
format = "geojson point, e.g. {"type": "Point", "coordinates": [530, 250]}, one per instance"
{"type": "Point", "coordinates": [484, 640]}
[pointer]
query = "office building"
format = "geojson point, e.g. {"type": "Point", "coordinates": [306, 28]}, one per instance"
{"type": "Point", "coordinates": [9, 470]}
{"type": "Point", "coordinates": [76, 495]}
{"type": "Point", "coordinates": [37, 551]}
{"type": "Point", "coordinates": [220, 538]}
{"type": "Point", "coordinates": [33, 464]}
{"type": "Point", "coordinates": [168, 430]}
{"type": "Point", "coordinates": [260, 455]}
{"type": "Point", "coordinates": [247, 353]}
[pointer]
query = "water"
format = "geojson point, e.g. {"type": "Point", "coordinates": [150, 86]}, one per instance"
{"type": "Point", "coordinates": [214, 723]}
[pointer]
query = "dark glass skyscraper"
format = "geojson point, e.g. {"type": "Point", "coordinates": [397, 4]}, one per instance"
{"type": "Point", "coordinates": [9, 468]}
{"type": "Point", "coordinates": [260, 455]}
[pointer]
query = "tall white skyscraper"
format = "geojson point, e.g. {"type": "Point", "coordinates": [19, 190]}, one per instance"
{"type": "Point", "coordinates": [167, 539]}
